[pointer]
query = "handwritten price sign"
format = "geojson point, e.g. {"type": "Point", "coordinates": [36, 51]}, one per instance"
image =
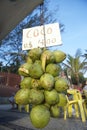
{"type": "Point", "coordinates": [41, 36]}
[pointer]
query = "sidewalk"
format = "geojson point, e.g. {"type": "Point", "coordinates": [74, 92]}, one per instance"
{"type": "Point", "coordinates": [15, 120]}
{"type": "Point", "coordinates": [5, 107]}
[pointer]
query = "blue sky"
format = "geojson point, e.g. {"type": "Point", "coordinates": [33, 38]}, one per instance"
{"type": "Point", "coordinates": [73, 14]}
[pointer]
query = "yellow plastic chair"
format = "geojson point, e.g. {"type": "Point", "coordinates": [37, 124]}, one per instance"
{"type": "Point", "coordinates": [82, 105]}
{"type": "Point", "coordinates": [77, 103]}
{"type": "Point", "coordinates": [84, 102]}
{"type": "Point", "coordinates": [68, 109]}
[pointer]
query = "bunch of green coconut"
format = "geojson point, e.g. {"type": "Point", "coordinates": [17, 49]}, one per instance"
{"type": "Point", "coordinates": [42, 87]}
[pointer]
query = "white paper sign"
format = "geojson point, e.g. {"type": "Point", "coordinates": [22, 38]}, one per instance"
{"type": "Point", "coordinates": [41, 36]}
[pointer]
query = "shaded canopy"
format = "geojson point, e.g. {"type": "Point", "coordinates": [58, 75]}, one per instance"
{"type": "Point", "coordinates": [12, 12]}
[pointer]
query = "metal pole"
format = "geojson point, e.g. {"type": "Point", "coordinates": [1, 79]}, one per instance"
{"type": "Point", "coordinates": [42, 21]}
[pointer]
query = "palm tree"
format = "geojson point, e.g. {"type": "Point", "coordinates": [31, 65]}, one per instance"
{"type": "Point", "coordinates": [85, 55]}
{"type": "Point", "coordinates": [85, 59]}
{"type": "Point", "coordinates": [76, 67]}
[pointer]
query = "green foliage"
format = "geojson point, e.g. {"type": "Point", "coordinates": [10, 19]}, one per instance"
{"type": "Point", "coordinates": [13, 55]}
{"type": "Point", "coordinates": [76, 80]}
{"type": "Point", "coordinates": [76, 67]}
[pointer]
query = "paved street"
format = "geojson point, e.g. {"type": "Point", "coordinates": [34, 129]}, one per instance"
{"type": "Point", "coordinates": [15, 120]}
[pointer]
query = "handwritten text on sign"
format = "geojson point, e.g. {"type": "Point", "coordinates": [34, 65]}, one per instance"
{"type": "Point", "coordinates": [41, 36]}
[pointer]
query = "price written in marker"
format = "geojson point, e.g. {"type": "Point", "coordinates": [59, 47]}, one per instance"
{"type": "Point", "coordinates": [41, 36]}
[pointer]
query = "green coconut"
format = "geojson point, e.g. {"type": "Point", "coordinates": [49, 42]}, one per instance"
{"type": "Point", "coordinates": [56, 78]}
{"type": "Point", "coordinates": [47, 81]}
{"type": "Point", "coordinates": [62, 100]}
{"type": "Point", "coordinates": [53, 69]}
{"type": "Point", "coordinates": [55, 111]}
{"type": "Point", "coordinates": [36, 70]}
{"type": "Point", "coordinates": [51, 97]}
{"type": "Point", "coordinates": [36, 97]}
{"type": "Point", "coordinates": [39, 116]}
{"type": "Point", "coordinates": [46, 58]}
{"type": "Point", "coordinates": [35, 53]}
{"type": "Point", "coordinates": [35, 84]}
{"type": "Point", "coordinates": [22, 96]}
{"type": "Point", "coordinates": [61, 85]}
{"type": "Point", "coordinates": [26, 82]}
{"type": "Point", "coordinates": [24, 69]}
{"type": "Point", "coordinates": [59, 56]}
{"type": "Point", "coordinates": [29, 60]}
{"type": "Point", "coordinates": [47, 105]}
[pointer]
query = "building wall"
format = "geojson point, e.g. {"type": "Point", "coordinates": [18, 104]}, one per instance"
{"type": "Point", "coordinates": [9, 79]}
